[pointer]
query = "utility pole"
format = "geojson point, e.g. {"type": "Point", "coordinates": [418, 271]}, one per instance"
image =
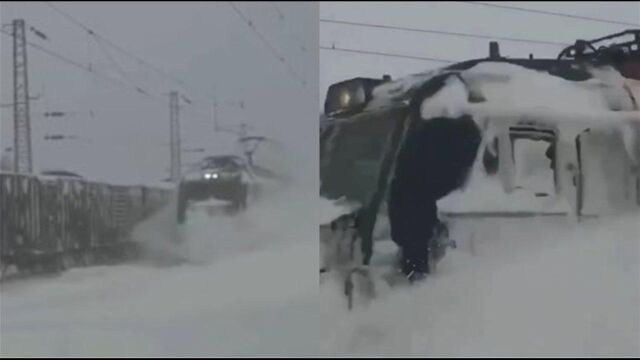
{"type": "Point", "coordinates": [176, 148]}
{"type": "Point", "coordinates": [22, 126]}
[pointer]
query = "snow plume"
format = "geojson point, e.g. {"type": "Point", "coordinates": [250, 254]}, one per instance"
{"type": "Point", "coordinates": [273, 155]}
{"type": "Point", "coordinates": [281, 215]}
{"type": "Point", "coordinates": [263, 303]}
{"type": "Point", "coordinates": [239, 286]}
{"type": "Point", "coordinates": [285, 211]}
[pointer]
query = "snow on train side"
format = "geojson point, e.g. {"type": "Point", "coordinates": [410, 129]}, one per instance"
{"type": "Point", "coordinates": [556, 136]}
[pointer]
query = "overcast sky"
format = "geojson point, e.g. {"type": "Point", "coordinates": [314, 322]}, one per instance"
{"type": "Point", "coordinates": [452, 17]}
{"type": "Point", "coordinates": [205, 44]}
{"type": "Point", "coordinates": [208, 46]}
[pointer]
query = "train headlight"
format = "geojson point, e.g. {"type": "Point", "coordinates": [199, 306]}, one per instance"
{"type": "Point", "coordinates": [349, 97]}
{"type": "Point", "coordinates": [345, 99]}
{"type": "Point", "coordinates": [209, 176]}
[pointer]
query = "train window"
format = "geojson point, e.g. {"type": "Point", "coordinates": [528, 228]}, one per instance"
{"type": "Point", "coordinates": [534, 164]}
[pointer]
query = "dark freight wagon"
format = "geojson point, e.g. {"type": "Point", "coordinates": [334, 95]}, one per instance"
{"type": "Point", "coordinates": [49, 223]}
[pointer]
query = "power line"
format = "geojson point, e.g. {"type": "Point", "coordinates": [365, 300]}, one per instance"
{"type": "Point", "coordinates": [280, 14]}
{"type": "Point", "coordinates": [117, 66]}
{"type": "Point", "coordinates": [293, 33]}
{"type": "Point", "coordinates": [388, 54]}
{"type": "Point", "coordinates": [98, 36]}
{"type": "Point", "coordinates": [441, 32]}
{"type": "Point", "coordinates": [73, 62]}
{"type": "Point", "coordinates": [273, 50]}
{"type": "Point", "coordinates": [117, 47]}
{"type": "Point", "coordinates": [551, 13]}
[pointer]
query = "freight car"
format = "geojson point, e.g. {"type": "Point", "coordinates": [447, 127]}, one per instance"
{"type": "Point", "coordinates": [55, 221]}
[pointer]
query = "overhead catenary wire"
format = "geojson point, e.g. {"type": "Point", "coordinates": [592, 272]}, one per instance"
{"type": "Point", "coordinates": [78, 65]}
{"type": "Point", "coordinates": [111, 43]}
{"type": "Point", "coordinates": [440, 32]}
{"type": "Point", "coordinates": [571, 16]}
{"type": "Point", "coordinates": [387, 54]}
{"type": "Point", "coordinates": [205, 97]}
{"type": "Point", "coordinates": [120, 49]}
{"type": "Point", "coordinates": [98, 74]}
{"type": "Point", "coordinates": [117, 66]}
{"type": "Point", "coordinates": [271, 48]}
{"type": "Point", "coordinates": [277, 8]}
{"type": "Point", "coordinates": [102, 75]}
{"type": "Point", "coordinates": [450, 33]}
{"type": "Point", "coordinates": [282, 18]}
{"type": "Point", "coordinates": [101, 41]}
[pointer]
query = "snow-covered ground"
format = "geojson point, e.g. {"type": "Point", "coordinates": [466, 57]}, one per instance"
{"type": "Point", "coordinates": [514, 287]}
{"type": "Point", "coordinates": [249, 288]}
{"type": "Point", "coordinates": [521, 286]}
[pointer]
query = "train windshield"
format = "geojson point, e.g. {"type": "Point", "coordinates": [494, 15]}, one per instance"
{"type": "Point", "coordinates": [228, 163]}
{"type": "Point", "coordinates": [353, 153]}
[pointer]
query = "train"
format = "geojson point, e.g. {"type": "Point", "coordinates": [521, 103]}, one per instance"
{"type": "Point", "coordinates": [571, 122]}
{"type": "Point", "coordinates": [51, 222]}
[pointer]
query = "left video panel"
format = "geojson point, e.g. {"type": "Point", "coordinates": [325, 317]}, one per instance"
{"type": "Point", "coordinates": [159, 167]}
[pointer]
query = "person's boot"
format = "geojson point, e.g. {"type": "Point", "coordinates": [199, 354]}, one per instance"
{"type": "Point", "coordinates": [415, 269]}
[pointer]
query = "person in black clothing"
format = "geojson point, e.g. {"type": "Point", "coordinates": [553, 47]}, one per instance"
{"type": "Point", "coordinates": [434, 160]}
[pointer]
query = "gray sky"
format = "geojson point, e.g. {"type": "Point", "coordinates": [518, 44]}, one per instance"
{"type": "Point", "coordinates": [452, 17]}
{"type": "Point", "coordinates": [205, 44]}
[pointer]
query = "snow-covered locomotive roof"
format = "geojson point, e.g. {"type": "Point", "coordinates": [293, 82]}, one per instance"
{"type": "Point", "coordinates": [506, 91]}
{"type": "Point", "coordinates": [518, 87]}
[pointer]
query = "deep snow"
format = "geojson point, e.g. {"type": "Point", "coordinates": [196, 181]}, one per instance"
{"type": "Point", "coordinates": [249, 288]}
{"type": "Point", "coordinates": [514, 287]}
{"type": "Point", "coordinates": [536, 286]}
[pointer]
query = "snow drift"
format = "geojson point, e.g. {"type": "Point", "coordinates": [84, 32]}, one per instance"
{"type": "Point", "coordinates": [218, 286]}
{"type": "Point", "coordinates": [516, 287]}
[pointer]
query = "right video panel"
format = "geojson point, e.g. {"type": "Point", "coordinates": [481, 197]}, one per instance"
{"type": "Point", "coordinates": [479, 178]}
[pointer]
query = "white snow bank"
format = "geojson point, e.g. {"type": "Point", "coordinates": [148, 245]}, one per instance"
{"type": "Point", "coordinates": [513, 92]}
{"type": "Point", "coordinates": [517, 87]}
{"type": "Point", "coordinates": [227, 309]}
{"type": "Point", "coordinates": [520, 88]}
{"type": "Point", "coordinates": [487, 195]}
{"type": "Point", "coordinates": [527, 287]}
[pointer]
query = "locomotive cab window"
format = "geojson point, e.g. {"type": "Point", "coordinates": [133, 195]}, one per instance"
{"type": "Point", "coordinates": [533, 153]}
{"type": "Point", "coordinates": [355, 151]}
